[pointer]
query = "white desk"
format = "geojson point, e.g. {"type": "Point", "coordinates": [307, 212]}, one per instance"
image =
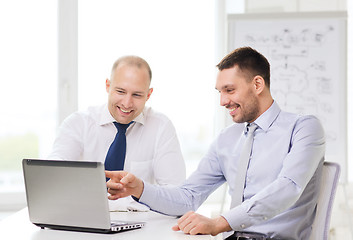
{"type": "Point", "coordinates": [157, 226]}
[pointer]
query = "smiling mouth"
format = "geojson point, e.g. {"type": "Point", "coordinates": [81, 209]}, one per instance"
{"type": "Point", "coordinates": [125, 111]}
{"type": "Point", "coordinates": [233, 110]}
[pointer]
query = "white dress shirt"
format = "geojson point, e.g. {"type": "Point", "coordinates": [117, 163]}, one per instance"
{"type": "Point", "coordinates": [282, 181]}
{"type": "Point", "coordinates": [152, 147]}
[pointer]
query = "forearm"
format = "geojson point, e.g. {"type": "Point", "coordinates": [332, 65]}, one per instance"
{"type": "Point", "coordinates": [173, 201]}
{"type": "Point", "coordinates": [178, 200]}
{"type": "Point", "coordinates": [266, 204]}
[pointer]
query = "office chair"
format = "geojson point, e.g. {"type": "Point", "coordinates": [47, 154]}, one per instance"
{"type": "Point", "coordinates": [328, 185]}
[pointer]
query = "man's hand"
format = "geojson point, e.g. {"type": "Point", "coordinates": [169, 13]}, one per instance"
{"type": "Point", "coordinates": [123, 184]}
{"type": "Point", "coordinates": [193, 223]}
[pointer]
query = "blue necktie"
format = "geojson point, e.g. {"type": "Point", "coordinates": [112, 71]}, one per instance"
{"type": "Point", "coordinates": [116, 154]}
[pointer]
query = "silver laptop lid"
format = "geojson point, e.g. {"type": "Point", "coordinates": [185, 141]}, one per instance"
{"type": "Point", "coordinates": [66, 193]}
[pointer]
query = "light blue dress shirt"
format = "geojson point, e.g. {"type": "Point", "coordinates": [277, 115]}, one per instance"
{"type": "Point", "coordinates": [282, 181]}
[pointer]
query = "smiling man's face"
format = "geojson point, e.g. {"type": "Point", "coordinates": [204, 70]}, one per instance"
{"type": "Point", "coordinates": [238, 95]}
{"type": "Point", "coordinates": [128, 91]}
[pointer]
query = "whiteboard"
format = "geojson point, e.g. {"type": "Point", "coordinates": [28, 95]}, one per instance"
{"type": "Point", "coordinates": [307, 54]}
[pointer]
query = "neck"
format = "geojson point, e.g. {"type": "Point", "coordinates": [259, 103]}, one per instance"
{"type": "Point", "coordinates": [265, 102]}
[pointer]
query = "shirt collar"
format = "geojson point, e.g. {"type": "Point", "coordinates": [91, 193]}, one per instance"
{"type": "Point", "coordinates": [106, 117]}
{"type": "Point", "coordinates": [268, 117]}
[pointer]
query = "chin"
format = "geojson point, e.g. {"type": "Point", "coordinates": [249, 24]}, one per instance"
{"type": "Point", "coordinates": [237, 120]}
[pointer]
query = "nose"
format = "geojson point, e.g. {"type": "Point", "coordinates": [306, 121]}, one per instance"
{"type": "Point", "coordinates": [127, 101]}
{"type": "Point", "coordinates": [224, 100]}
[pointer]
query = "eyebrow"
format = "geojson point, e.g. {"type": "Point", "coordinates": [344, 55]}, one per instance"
{"type": "Point", "coordinates": [225, 87]}
{"type": "Point", "coordinates": [134, 92]}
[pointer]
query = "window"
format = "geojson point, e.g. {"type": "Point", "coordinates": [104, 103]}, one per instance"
{"type": "Point", "coordinates": [27, 88]}
{"type": "Point", "coordinates": [176, 38]}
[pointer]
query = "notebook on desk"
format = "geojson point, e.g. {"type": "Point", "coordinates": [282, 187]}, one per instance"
{"type": "Point", "coordinates": [70, 195]}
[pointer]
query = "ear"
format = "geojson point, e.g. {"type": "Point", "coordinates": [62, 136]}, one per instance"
{"type": "Point", "coordinates": [107, 85]}
{"type": "Point", "coordinates": [259, 84]}
{"type": "Point", "coordinates": [149, 93]}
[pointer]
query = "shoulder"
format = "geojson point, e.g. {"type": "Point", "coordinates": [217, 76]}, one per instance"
{"type": "Point", "coordinates": [297, 119]}
{"type": "Point", "coordinates": [309, 123]}
{"type": "Point", "coordinates": [233, 131]}
{"type": "Point", "coordinates": [91, 114]}
{"type": "Point", "coordinates": [153, 116]}
{"type": "Point", "coordinates": [227, 139]}
{"type": "Point", "coordinates": [302, 126]}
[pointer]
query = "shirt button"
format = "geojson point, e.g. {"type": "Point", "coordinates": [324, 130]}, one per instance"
{"type": "Point", "coordinates": [265, 218]}
{"type": "Point", "coordinates": [242, 226]}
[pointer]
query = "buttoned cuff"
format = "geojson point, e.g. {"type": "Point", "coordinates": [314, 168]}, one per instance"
{"type": "Point", "coordinates": [238, 218]}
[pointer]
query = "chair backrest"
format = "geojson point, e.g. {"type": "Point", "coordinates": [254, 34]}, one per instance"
{"type": "Point", "coordinates": [328, 185]}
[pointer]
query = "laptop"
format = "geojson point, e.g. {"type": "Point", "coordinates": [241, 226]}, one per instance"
{"type": "Point", "coordinates": [70, 195]}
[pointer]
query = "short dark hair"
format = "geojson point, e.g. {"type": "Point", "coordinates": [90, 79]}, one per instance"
{"type": "Point", "coordinates": [249, 61]}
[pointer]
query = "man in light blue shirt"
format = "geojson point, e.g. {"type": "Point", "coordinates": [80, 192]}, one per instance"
{"type": "Point", "coordinates": [283, 174]}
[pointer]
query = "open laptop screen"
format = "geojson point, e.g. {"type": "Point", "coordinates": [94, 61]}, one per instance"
{"type": "Point", "coordinates": [66, 193]}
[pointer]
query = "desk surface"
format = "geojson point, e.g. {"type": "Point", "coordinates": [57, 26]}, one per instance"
{"type": "Point", "coordinates": [157, 226]}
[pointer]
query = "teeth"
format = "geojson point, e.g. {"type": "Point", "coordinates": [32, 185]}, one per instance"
{"type": "Point", "coordinates": [232, 109]}
{"type": "Point", "coordinates": [124, 111]}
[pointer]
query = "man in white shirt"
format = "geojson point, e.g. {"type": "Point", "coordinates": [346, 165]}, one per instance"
{"type": "Point", "coordinates": [152, 147]}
